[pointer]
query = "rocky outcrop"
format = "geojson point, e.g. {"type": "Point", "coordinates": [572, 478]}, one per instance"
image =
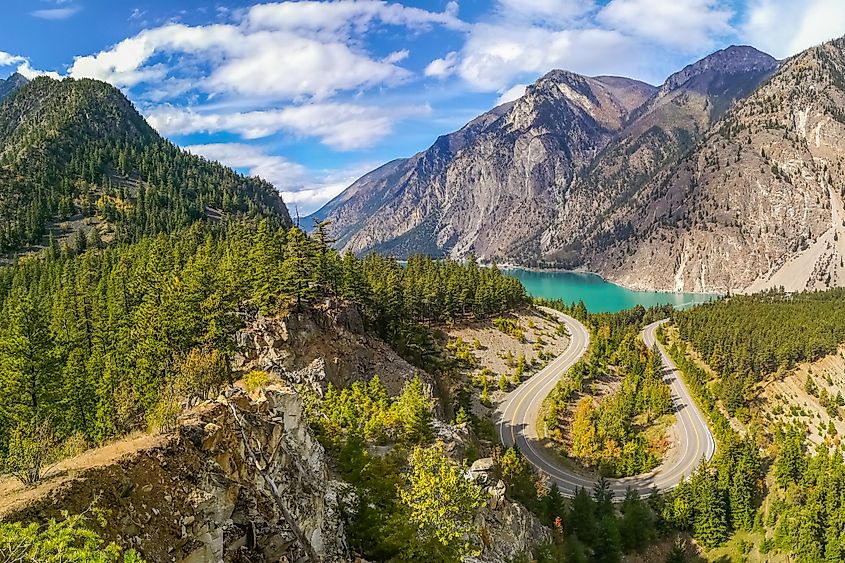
{"type": "Point", "coordinates": [318, 347]}
{"type": "Point", "coordinates": [196, 497]}
{"type": "Point", "coordinates": [11, 84]}
{"type": "Point", "coordinates": [506, 528]}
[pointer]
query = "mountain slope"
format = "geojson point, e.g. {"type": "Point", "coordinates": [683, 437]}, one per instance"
{"type": "Point", "coordinates": [758, 204]}
{"type": "Point", "coordinates": [76, 152]}
{"type": "Point", "coordinates": [539, 179]}
{"type": "Point", "coordinates": [11, 84]}
{"type": "Point", "coordinates": [666, 127]}
{"type": "Point", "coordinates": [509, 166]}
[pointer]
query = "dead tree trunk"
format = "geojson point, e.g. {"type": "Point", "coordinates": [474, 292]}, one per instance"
{"type": "Point", "coordinates": [274, 491]}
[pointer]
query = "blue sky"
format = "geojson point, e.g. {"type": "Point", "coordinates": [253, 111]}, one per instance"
{"type": "Point", "coordinates": [310, 95]}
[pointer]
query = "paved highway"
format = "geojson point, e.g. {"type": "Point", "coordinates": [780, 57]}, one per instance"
{"type": "Point", "coordinates": [517, 423]}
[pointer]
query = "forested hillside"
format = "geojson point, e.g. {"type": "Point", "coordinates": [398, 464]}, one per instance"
{"type": "Point", "coordinates": [75, 149]}
{"type": "Point", "coordinates": [744, 338]}
{"type": "Point", "coordinates": [102, 342]}
{"type": "Point", "coordinates": [616, 433]}
{"type": "Point", "coordinates": [726, 349]}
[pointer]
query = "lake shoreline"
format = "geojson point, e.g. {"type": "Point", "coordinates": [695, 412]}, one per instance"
{"type": "Point", "coordinates": [536, 269]}
{"type": "Point", "coordinates": [598, 293]}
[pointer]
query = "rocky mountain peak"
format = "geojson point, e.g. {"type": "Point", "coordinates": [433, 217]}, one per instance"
{"type": "Point", "coordinates": [9, 85]}
{"type": "Point", "coordinates": [731, 61]}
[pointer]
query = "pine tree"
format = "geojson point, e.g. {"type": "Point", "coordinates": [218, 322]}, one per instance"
{"type": "Point", "coordinates": [678, 554]}
{"type": "Point", "coordinates": [29, 378]}
{"type": "Point", "coordinates": [711, 524]}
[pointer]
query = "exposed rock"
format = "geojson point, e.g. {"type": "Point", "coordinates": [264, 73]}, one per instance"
{"type": "Point", "coordinates": [759, 203]}
{"type": "Point", "coordinates": [509, 167]}
{"type": "Point", "coordinates": [195, 497]}
{"type": "Point", "coordinates": [316, 348]}
{"type": "Point", "coordinates": [11, 84]}
{"type": "Point", "coordinates": [507, 529]}
{"type": "Point", "coordinates": [483, 470]}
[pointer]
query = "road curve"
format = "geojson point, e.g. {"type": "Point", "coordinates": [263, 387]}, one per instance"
{"type": "Point", "coordinates": [517, 418]}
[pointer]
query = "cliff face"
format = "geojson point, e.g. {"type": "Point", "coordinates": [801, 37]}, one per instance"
{"type": "Point", "coordinates": [193, 495]}
{"type": "Point", "coordinates": [492, 187]}
{"type": "Point", "coordinates": [316, 349]}
{"type": "Point", "coordinates": [758, 203]}
{"type": "Point", "coordinates": [727, 177]}
{"type": "Point", "coordinates": [661, 131]}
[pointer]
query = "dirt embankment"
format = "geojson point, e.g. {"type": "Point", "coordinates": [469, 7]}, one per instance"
{"type": "Point", "coordinates": [495, 348]}
{"type": "Point", "coordinates": [790, 399]}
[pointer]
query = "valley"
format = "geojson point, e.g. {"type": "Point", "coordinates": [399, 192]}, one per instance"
{"type": "Point", "coordinates": [188, 373]}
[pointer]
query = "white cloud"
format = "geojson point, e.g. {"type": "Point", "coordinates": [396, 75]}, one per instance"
{"type": "Point", "coordinates": [494, 55]}
{"type": "Point", "coordinates": [24, 67]}
{"type": "Point", "coordinates": [26, 70]}
{"type": "Point", "coordinates": [441, 68]}
{"type": "Point", "coordinates": [688, 24]}
{"type": "Point", "coordinates": [341, 126]}
{"type": "Point", "coordinates": [544, 12]}
{"type": "Point", "coordinates": [345, 16]}
{"type": "Point", "coordinates": [7, 59]}
{"type": "Point", "coordinates": [56, 13]}
{"type": "Point", "coordinates": [123, 64]}
{"type": "Point", "coordinates": [511, 94]}
{"type": "Point", "coordinates": [286, 50]}
{"type": "Point", "coordinates": [277, 170]}
{"type": "Point", "coordinates": [396, 56]}
{"type": "Point", "coordinates": [286, 65]}
{"type": "Point", "coordinates": [523, 39]}
{"type": "Point", "coordinates": [785, 27]}
{"type": "Point", "coordinates": [302, 190]}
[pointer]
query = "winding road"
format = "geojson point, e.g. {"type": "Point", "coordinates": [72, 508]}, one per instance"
{"type": "Point", "coordinates": [517, 418]}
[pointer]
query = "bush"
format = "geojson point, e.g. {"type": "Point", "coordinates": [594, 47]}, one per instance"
{"type": "Point", "coordinates": [256, 379]}
{"type": "Point", "coordinates": [59, 541]}
{"type": "Point", "coordinates": [33, 448]}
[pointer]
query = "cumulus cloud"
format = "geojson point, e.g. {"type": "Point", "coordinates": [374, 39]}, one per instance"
{"type": "Point", "coordinates": [284, 50]}
{"type": "Point", "coordinates": [342, 126]}
{"type": "Point", "coordinates": [302, 190]}
{"type": "Point", "coordinates": [7, 59]}
{"type": "Point", "coordinates": [688, 24]}
{"type": "Point", "coordinates": [26, 70]}
{"type": "Point", "coordinates": [24, 66]}
{"type": "Point", "coordinates": [494, 55]}
{"type": "Point", "coordinates": [523, 39]}
{"type": "Point", "coordinates": [441, 68]}
{"type": "Point", "coordinates": [784, 27]}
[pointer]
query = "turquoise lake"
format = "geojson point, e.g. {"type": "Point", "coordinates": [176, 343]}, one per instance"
{"type": "Point", "coordinates": [599, 295]}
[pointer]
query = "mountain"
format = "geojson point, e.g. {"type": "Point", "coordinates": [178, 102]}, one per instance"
{"type": "Point", "coordinates": [76, 156]}
{"type": "Point", "coordinates": [758, 203]}
{"type": "Point", "coordinates": [539, 180]}
{"type": "Point", "coordinates": [509, 166]}
{"type": "Point", "coordinates": [665, 128]}
{"type": "Point", "coordinates": [11, 84]}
